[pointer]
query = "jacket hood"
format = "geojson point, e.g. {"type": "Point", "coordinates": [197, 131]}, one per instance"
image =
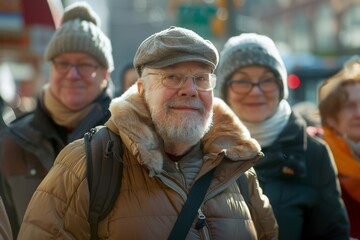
{"type": "Point", "coordinates": [130, 118]}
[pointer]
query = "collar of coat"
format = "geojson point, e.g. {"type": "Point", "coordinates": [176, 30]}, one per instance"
{"type": "Point", "coordinates": [130, 118]}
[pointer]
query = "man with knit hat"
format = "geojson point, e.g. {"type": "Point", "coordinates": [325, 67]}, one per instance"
{"type": "Point", "coordinates": [297, 172]}
{"type": "Point", "coordinates": [74, 100]}
{"type": "Point", "coordinates": [174, 133]}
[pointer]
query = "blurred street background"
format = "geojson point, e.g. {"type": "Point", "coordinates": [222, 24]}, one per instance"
{"type": "Point", "coordinates": [315, 36]}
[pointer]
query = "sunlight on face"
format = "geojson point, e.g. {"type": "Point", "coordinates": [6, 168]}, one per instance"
{"type": "Point", "coordinates": [256, 105]}
{"type": "Point", "coordinates": [347, 121]}
{"type": "Point", "coordinates": [180, 115]}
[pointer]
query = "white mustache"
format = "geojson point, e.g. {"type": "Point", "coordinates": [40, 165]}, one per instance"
{"type": "Point", "coordinates": [191, 104]}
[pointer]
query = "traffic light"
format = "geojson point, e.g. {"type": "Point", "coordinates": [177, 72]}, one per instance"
{"type": "Point", "coordinates": [219, 22]}
{"type": "Point", "coordinates": [293, 81]}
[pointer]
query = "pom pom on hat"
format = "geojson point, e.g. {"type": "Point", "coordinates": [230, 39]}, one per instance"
{"type": "Point", "coordinates": [80, 32]}
{"type": "Point", "coordinates": [81, 10]}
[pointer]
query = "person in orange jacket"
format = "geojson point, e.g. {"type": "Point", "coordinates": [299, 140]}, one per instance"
{"type": "Point", "coordinates": [339, 106]}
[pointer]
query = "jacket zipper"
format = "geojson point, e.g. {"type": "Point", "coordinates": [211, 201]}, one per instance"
{"type": "Point", "coordinates": [201, 222]}
{"type": "Point", "coordinates": [177, 166]}
{"type": "Point", "coordinates": [168, 181]}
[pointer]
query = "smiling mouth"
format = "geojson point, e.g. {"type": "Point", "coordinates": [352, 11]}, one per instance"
{"type": "Point", "coordinates": [254, 104]}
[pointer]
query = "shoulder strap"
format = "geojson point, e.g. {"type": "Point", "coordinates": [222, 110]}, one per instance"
{"type": "Point", "coordinates": [244, 187]}
{"type": "Point", "coordinates": [104, 172]}
{"type": "Point", "coordinates": [191, 206]}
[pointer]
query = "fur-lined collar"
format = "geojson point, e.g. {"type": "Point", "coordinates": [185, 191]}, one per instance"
{"type": "Point", "coordinates": [130, 117]}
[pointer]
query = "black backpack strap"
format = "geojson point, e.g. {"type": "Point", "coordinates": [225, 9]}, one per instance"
{"type": "Point", "coordinates": [191, 206]}
{"type": "Point", "coordinates": [104, 172]}
{"type": "Point", "coordinates": [244, 187]}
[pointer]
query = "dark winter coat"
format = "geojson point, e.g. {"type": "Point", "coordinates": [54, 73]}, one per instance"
{"type": "Point", "coordinates": [28, 149]}
{"type": "Point", "coordinates": [300, 179]}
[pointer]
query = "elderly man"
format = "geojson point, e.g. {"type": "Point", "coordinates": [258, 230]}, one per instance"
{"type": "Point", "coordinates": [173, 133]}
{"type": "Point", "coordinates": [74, 100]}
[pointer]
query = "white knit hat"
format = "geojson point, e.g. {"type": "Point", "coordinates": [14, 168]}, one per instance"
{"type": "Point", "coordinates": [250, 49]}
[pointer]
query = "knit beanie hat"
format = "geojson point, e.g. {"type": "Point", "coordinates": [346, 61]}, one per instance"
{"type": "Point", "coordinates": [250, 49]}
{"type": "Point", "coordinates": [80, 32]}
{"type": "Point", "coordinates": [174, 45]}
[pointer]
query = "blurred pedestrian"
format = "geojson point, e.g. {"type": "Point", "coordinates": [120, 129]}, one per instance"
{"type": "Point", "coordinates": [128, 77]}
{"type": "Point", "coordinates": [310, 113]}
{"type": "Point", "coordinates": [339, 106]}
{"type": "Point", "coordinates": [297, 173]}
{"type": "Point", "coordinates": [177, 135]}
{"type": "Point", "coordinates": [74, 100]}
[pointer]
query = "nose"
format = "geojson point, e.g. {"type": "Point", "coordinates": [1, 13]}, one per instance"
{"type": "Point", "coordinates": [73, 72]}
{"type": "Point", "coordinates": [255, 89]}
{"type": "Point", "coordinates": [189, 87]}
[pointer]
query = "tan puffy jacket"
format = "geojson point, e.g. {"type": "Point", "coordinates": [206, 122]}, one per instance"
{"type": "Point", "coordinates": [152, 191]}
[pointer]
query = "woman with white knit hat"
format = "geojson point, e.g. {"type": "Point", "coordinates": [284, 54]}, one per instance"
{"type": "Point", "coordinates": [297, 173]}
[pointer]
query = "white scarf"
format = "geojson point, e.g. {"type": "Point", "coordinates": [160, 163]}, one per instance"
{"type": "Point", "coordinates": [267, 131]}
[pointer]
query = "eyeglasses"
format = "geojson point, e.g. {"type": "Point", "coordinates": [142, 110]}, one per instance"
{"type": "Point", "coordinates": [203, 81]}
{"type": "Point", "coordinates": [84, 69]}
{"type": "Point", "coordinates": [245, 86]}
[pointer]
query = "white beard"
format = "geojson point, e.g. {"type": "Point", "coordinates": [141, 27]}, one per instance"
{"type": "Point", "coordinates": [187, 130]}
{"type": "Point", "coordinates": [180, 128]}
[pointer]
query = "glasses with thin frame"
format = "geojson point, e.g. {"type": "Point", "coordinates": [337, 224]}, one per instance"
{"type": "Point", "coordinates": [83, 69]}
{"type": "Point", "coordinates": [202, 81]}
{"type": "Point", "coordinates": [245, 86]}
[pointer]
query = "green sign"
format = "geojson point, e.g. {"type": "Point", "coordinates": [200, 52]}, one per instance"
{"type": "Point", "coordinates": [197, 18]}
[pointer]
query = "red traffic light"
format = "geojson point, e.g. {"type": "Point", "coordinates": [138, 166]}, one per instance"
{"type": "Point", "coordinates": [293, 81]}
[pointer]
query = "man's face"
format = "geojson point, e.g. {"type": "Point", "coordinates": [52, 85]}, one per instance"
{"type": "Point", "coordinates": [183, 114]}
{"type": "Point", "coordinates": [347, 121]}
{"type": "Point", "coordinates": [77, 87]}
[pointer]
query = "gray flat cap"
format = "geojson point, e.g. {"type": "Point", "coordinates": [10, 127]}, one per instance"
{"type": "Point", "coordinates": [174, 45]}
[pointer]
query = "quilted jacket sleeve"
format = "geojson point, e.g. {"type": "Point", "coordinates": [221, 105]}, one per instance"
{"type": "Point", "coordinates": [261, 210]}
{"type": "Point", "coordinates": [59, 207]}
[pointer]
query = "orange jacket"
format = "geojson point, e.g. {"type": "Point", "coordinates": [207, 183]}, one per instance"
{"type": "Point", "coordinates": [348, 167]}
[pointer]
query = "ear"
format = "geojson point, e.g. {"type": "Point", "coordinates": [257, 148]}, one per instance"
{"type": "Point", "coordinates": [106, 77]}
{"type": "Point", "coordinates": [140, 86]}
